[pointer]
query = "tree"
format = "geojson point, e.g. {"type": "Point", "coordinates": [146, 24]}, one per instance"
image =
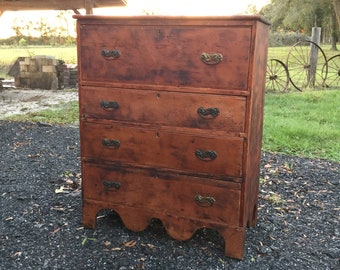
{"type": "Point", "coordinates": [334, 31]}
{"type": "Point", "coordinates": [302, 15]}
{"type": "Point", "coordinates": [42, 31]}
{"type": "Point", "coordinates": [336, 6]}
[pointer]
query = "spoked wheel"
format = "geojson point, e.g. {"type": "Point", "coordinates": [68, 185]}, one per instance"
{"type": "Point", "coordinates": [307, 65]}
{"type": "Point", "coordinates": [333, 75]}
{"type": "Point", "coordinates": [277, 78]}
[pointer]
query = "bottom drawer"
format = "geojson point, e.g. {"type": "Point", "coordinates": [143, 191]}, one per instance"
{"type": "Point", "coordinates": [177, 195]}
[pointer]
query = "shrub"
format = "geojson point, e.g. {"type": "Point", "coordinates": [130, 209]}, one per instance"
{"type": "Point", "coordinates": [287, 39]}
{"type": "Point", "coordinates": [22, 42]}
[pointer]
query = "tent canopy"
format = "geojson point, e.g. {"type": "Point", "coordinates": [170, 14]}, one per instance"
{"type": "Point", "coordinates": [88, 5]}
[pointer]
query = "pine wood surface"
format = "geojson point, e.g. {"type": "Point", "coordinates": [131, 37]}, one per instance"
{"type": "Point", "coordinates": [171, 113]}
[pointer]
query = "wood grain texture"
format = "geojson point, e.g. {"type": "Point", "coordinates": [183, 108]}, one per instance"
{"type": "Point", "coordinates": [165, 108]}
{"type": "Point", "coordinates": [167, 55]}
{"type": "Point", "coordinates": [166, 135]}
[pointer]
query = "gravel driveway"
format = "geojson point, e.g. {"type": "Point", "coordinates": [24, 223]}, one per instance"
{"type": "Point", "coordinates": [40, 214]}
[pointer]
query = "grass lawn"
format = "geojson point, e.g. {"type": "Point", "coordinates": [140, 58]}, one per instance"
{"type": "Point", "coordinates": [303, 124]}
{"type": "Point", "coordinates": [64, 113]}
{"type": "Point", "coordinates": [9, 54]}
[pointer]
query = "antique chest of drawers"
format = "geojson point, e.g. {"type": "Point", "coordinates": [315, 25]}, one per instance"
{"type": "Point", "coordinates": [171, 112]}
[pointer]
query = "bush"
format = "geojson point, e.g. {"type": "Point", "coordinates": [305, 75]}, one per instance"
{"type": "Point", "coordinates": [36, 41]}
{"type": "Point", "coordinates": [283, 40]}
{"type": "Point", "coordinates": [22, 42]}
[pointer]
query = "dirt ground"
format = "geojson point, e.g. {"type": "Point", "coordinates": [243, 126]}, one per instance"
{"type": "Point", "coordinates": [21, 101]}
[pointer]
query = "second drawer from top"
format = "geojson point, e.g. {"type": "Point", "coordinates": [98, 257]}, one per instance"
{"type": "Point", "coordinates": [225, 114]}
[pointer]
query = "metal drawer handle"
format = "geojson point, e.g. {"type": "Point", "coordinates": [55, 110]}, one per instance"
{"type": "Point", "coordinates": [111, 143]}
{"type": "Point", "coordinates": [110, 54]}
{"type": "Point", "coordinates": [109, 105]}
{"type": "Point", "coordinates": [111, 184]}
{"type": "Point", "coordinates": [208, 112]}
{"type": "Point", "coordinates": [211, 58]}
{"type": "Point", "coordinates": [205, 155]}
{"type": "Point", "coordinates": [204, 201]}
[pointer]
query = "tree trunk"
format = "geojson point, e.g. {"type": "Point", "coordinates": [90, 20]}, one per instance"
{"type": "Point", "coordinates": [334, 32]}
{"type": "Point", "coordinates": [336, 6]}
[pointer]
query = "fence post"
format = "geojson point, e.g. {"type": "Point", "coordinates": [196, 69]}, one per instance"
{"type": "Point", "coordinates": [313, 56]}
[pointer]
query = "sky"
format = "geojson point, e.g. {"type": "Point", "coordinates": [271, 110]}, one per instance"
{"type": "Point", "coordinates": [135, 7]}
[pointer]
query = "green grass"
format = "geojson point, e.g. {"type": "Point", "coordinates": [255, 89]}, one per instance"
{"type": "Point", "coordinates": [9, 54]}
{"type": "Point", "coordinates": [303, 124]}
{"type": "Point", "coordinates": [65, 113]}
{"type": "Point", "coordinates": [296, 72]}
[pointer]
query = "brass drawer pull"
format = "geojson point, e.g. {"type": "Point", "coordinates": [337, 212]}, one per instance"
{"type": "Point", "coordinates": [111, 143]}
{"type": "Point", "coordinates": [112, 184]}
{"type": "Point", "coordinates": [204, 201]}
{"type": "Point", "coordinates": [110, 54]}
{"type": "Point", "coordinates": [208, 112]}
{"type": "Point", "coordinates": [205, 155]}
{"type": "Point", "coordinates": [109, 105]}
{"type": "Point", "coordinates": [211, 58]}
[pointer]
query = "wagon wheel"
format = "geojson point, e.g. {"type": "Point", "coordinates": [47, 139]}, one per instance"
{"type": "Point", "coordinates": [277, 78]}
{"type": "Point", "coordinates": [304, 70]}
{"type": "Point", "coordinates": [333, 75]}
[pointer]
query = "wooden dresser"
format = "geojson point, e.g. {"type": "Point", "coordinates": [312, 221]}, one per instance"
{"type": "Point", "coordinates": [171, 112]}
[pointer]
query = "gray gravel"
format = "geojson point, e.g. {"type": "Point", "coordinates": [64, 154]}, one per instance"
{"type": "Point", "coordinates": [40, 214]}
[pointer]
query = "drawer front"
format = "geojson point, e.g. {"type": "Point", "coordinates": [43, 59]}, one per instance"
{"type": "Point", "coordinates": [178, 196]}
{"type": "Point", "coordinates": [195, 56]}
{"type": "Point", "coordinates": [163, 148]}
{"type": "Point", "coordinates": [202, 111]}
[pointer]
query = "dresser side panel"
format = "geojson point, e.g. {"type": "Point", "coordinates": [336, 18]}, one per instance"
{"type": "Point", "coordinates": [255, 123]}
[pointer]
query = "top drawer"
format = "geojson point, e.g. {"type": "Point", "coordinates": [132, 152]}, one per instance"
{"type": "Point", "coordinates": [195, 56]}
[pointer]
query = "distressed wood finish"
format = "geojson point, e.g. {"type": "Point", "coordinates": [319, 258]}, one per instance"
{"type": "Point", "coordinates": [179, 190]}
{"type": "Point", "coordinates": [162, 148]}
{"type": "Point", "coordinates": [166, 108]}
{"type": "Point", "coordinates": [168, 55]}
{"type": "Point", "coordinates": [171, 112]}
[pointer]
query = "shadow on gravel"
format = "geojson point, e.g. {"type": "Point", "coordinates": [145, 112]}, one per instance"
{"type": "Point", "coordinates": [40, 225]}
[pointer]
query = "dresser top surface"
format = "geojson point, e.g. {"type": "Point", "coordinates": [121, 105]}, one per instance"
{"type": "Point", "coordinates": [160, 20]}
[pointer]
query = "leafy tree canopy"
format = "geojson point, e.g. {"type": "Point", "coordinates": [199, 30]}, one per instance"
{"type": "Point", "coordinates": [296, 15]}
